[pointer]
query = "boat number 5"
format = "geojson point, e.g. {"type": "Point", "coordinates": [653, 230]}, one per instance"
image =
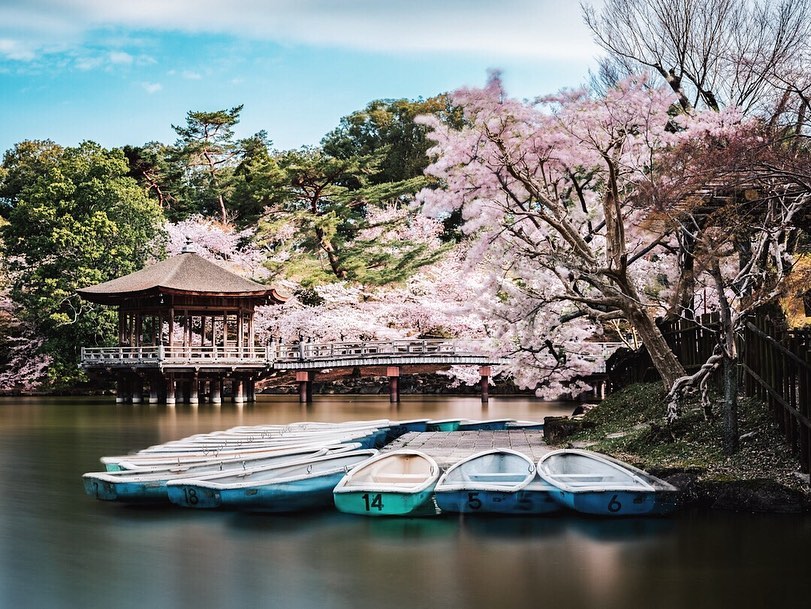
{"type": "Point", "coordinates": [375, 501]}
{"type": "Point", "coordinates": [473, 501]}
{"type": "Point", "coordinates": [614, 506]}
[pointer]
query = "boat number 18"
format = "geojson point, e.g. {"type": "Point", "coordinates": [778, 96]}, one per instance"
{"type": "Point", "coordinates": [373, 501]}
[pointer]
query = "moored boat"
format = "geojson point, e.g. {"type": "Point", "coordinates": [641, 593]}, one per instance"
{"type": "Point", "coordinates": [395, 483]}
{"type": "Point", "coordinates": [593, 483]}
{"type": "Point", "coordinates": [149, 484]}
{"type": "Point", "coordinates": [529, 425]}
{"type": "Point", "coordinates": [483, 425]}
{"type": "Point", "coordinates": [304, 485]}
{"type": "Point", "coordinates": [443, 424]}
{"type": "Point", "coordinates": [498, 481]}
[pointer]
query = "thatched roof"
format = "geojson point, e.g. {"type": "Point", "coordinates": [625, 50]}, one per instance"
{"type": "Point", "coordinates": [186, 273]}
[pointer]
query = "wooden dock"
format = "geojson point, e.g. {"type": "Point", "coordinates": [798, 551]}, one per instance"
{"type": "Point", "coordinates": [448, 447]}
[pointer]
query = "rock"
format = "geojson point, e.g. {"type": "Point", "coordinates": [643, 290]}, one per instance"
{"type": "Point", "coordinates": [557, 429]}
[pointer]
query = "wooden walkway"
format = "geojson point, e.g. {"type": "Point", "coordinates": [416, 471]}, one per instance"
{"type": "Point", "coordinates": [448, 447]}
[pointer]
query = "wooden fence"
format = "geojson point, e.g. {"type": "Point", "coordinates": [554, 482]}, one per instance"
{"type": "Point", "coordinates": [775, 365]}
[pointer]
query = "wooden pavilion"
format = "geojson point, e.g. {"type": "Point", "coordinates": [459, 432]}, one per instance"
{"type": "Point", "coordinates": [185, 327]}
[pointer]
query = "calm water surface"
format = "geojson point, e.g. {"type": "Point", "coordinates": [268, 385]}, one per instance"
{"type": "Point", "coordinates": [62, 549]}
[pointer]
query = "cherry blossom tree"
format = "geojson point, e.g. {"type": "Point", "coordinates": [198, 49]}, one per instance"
{"type": "Point", "coordinates": [554, 195]}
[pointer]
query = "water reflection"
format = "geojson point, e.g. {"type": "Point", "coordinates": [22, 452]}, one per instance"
{"type": "Point", "coordinates": [62, 549]}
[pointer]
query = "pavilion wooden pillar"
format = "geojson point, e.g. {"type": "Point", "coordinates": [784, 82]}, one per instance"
{"type": "Point", "coordinates": [120, 389]}
{"type": "Point", "coordinates": [194, 388]}
{"type": "Point", "coordinates": [393, 372]}
{"type": "Point", "coordinates": [153, 389]}
{"type": "Point", "coordinates": [137, 389]}
{"type": "Point", "coordinates": [170, 390]}
{"type": "Point", "coordinates": [216, 391]}
{"type": "Point", "coordinates": [238, 391]}
{"type": "Point", "coordinates": [485, 372]}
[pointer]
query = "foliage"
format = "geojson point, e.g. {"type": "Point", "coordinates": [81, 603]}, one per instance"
{"type": "Point", "coordinates": [322, 206]}
{"type": "Point", "coordinates": [77, 220]}
{"type": "Point", "coordinates": [629, 425]}
{"type": "Point", "coordinates": [553, 196]}
{"type": "Point", "coordinates": [386, 128]}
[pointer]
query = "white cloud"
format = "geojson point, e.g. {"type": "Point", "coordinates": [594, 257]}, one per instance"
{"type": "Point", "coordinates": [508, 28]}
{"type": "Point", "coordinates": [151, 87]}
{"type": "Point", "coordinates": [14, 49]}
{"type": "Point", "coordinates": [191, 75]}
{"type": "Point", "coordinates": [120, 58]}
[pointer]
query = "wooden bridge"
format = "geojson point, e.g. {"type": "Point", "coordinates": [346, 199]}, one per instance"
{"type": "Point", "coordinates": [305, 358]}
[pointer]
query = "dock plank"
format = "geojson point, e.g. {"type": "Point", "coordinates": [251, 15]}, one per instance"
{"type": "Point", "coordinates": [449, 447]}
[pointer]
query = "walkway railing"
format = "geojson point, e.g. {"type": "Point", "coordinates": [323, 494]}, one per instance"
{"type": "Point", "coordinates": [267, 355]}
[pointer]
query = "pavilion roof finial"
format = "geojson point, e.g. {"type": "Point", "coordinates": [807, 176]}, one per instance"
{"type": "Point", "coordinates": [189, 247]}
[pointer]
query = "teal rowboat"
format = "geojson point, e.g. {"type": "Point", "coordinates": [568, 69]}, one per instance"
{"type": "Point", "coordinates": [495, 481]}
{"type": "Point", "coordinates": [397, 483]}
{"type": "Point", "coordinates": [593, 483]}
{"type": "Point", "coordinates": [304, 485]}
{"type": "Point", "coordinates": [443, 424]}
{"type": "Point", "coordinates": [148, 485]}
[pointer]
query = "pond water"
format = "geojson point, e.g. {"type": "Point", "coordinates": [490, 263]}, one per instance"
{"type": "Point", "coordinates": [62, 549]}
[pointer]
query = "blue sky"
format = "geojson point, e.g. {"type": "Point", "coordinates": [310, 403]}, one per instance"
{"type": "Point", "coordinates": [123, 71]}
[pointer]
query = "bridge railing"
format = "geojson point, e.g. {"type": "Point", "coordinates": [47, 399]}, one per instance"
{"type": "Point", "coordinates": [303, 351]}
{"type": "Point", "coordinates": [349, 350]}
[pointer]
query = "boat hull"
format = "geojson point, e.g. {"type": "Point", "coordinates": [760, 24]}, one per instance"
{"type": "Point", "coordinates": [616, 503]}
{"type": "Point", "coordinates": [496, 502]}
{"type": "Point", "coordinates": [154, 492]}
{"type": "Point", "coordinates": [311, 494]}
{"type": "Point", "coordinates": [386, 503]}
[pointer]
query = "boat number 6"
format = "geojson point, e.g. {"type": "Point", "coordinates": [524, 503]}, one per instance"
{"type": "Point", "coordinates": [614, 506]}
{"type": "Point", "coordinates": [375, 501]}
{"type": "Point", "coordinates": [473, 501]}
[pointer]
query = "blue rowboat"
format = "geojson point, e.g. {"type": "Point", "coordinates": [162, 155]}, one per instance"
{"type": "Point", "coordinates": [304, 485]}
{"type": "Point", "coordinates": [399, 428]}
{"type": "Point", "coordinates": [483, 425]}
{"type": "Point", "coordinates": [530, 425]}
{"type": "Point", "coordinates": [495, 481]}
{"type": "Point", "coordinates": [147, 485]}
{"type": "Point", "coordinates": [593, 483]}
{"type": "Point", "coordinates": [397, 483]}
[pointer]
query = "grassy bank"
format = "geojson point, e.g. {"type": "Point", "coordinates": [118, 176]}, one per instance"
{"type": "Point", "coordinates": [630, 425]}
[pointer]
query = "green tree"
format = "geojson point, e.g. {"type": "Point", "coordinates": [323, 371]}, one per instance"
{"type": "Point", "coordinates": [207, 147]}
{"type": "Point", "coordinates": [156, 169]}
{"type": "Point", "coordinates": [76, 219]}
{"type": "Point", "coordinates": [387, 128]}
{"type": "Point", "coordinates": [255, 179]}
{"type": "Point", "coordinates": [323, 203]}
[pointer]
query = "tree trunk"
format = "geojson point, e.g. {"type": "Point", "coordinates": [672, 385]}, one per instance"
{"type": "Point", "coordinates": [730, 405]}
{"type": "Point", "coordinates": [662, 356]}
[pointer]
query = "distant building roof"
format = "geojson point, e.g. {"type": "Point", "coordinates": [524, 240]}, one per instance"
{"type": "Point", "coordinates": [186, 273]}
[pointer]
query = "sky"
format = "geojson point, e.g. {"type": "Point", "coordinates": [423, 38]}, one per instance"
{"type": "Point", "coordinates": [121, 72]}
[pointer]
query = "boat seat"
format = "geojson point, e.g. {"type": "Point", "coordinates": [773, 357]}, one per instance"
{"type": "Point", "coordinates": [496, 477]}
{"type": "Point", "coordinates": [399, 478]}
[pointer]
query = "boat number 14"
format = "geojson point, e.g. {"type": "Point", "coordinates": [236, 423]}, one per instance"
{"type": "Point", "coordinates": [373, 501]}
